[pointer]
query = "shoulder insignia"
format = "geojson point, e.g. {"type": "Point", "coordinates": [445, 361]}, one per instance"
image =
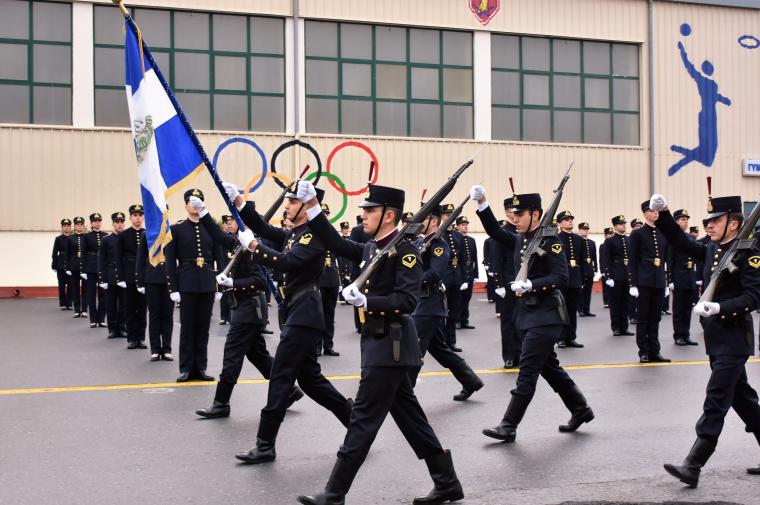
{"type": "Point", "coordinates": [409, 260]}
{"type": "Point", "coordinates": [305, 239]}
{"type": "Point", "coordinates": [754, 261]}
{"type": "Point", "coordinates": [438, 251]}
{"type": "Point", "coordinates": [556, 248]}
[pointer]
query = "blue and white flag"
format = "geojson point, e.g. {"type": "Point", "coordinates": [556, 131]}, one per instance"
{"type": "Point", "coordinates": [167, 151]}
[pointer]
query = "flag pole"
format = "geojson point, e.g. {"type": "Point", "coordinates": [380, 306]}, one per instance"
{"type": "Point", "coordinates": [181, 115]}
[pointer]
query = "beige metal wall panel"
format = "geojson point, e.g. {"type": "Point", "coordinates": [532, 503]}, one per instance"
{"type": "Point", "coordinates": [602, 19]}
{"type": "Point", "coordinates": [715, 32]}
{"type": "Point", "coordinates": [267, 7]}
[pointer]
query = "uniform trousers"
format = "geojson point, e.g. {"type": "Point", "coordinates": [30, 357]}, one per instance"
{"type": "Point", "coordinates": [295, 360]}
{"type": "Point", "coordinates": [619, 310]}
{"type": "Point", "coordinates": [116, 308]}
{"type": "Point", "coordinates": [538, 358]}
{"type": "Point", "coordinates": [588, 287]}
{"type": "Point", "coordinates": [96, 304]}
{"type": "Point", "coordinates": [648, 320]}
{"type": "Point", "coordinates": [384, 390]}
{"type": "Point", "coordinates": [511, 345]}
{"type": "Point", "coordinates": [160, 318]}
{"type": "Point", "coordinates": [683, 301]}
{"type": "Point", "coordinates": [136, 314]}
{"type": "Point", "coordinates": [464, 306]}
{"type": "Point", "coordinates": [195, 319]}
{"type": "Point", "coordinates": [78, 291]}
{"type": "Point", "coordinates": [572, 298]}
{"type": "Point", "coordinates": [453, 301]}
{"type": "Point", "coordinates": [728, 388]}
{"type": "Point", "coordinates": [431, 331]}
{"type": "Point", "coordinates": [329, 301]}
{"type": "Point", "coordinates": [64, 289]}
{"type": "Point", "coordinates": [224, 307]}
{"type": "Point", "coordinates": [244, 340]}
{"type": "Point", "coordinates": [605, 293]}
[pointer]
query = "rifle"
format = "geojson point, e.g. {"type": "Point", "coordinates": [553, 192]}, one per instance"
{"type": "Point", "coordinates": [544, 230]}
{"type": "Point", "coordinates": [445, 225]}
{"type": "Point", "coordinates": [743, 242]}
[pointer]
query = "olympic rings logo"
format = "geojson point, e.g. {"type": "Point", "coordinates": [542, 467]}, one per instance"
{"type": "Point", "coordinates": [749, 42]}
{"type": "Point", "coordinates": [270, 169]}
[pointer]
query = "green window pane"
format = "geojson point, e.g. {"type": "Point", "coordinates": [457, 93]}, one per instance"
{"type": "Point", "coordinates": [536, 89]}
{"type": "Point", "coordinates": [52, 21]}
{"type": "Point", "coordinates": [457, 48]}
{"type": "Point", "coordinates": [391, 118]}
{"type": "Point", "coordinates": [267, 113]}
{"type": "Point", "coordinates": [356, 117]}
{"type": "Point", "coordinates": [537, 125]}
{"type": "Point", "coordinates": [52, 64]}
{"type": "Point", "coordinates": [457, 121]}
{"type": "Point", "coordinates": [505, 88]}
{"type": "Point", "coordinates": [505, 124]}
{"type": "Point", "coordinates": [109, 25]}
{"type": "Point", "coordinates": [321, 115]}
{"type": "Point", "coordinates": [267, 75]}
{"type": "Point", "coordinates": [596, 58]}
{"type": "Point", "coordinates": [390, 43]}
{"type": "Point", "coordinates": [425, 120]}
{"type": "Point", "coordinates": [390, 81]}
{"type": "Point", "coordinates": [596, 128]}
{"type": "Point", "coordinates": [191, 71]}
{"type": "Point", "coordinates": [424, 46]}
{"type": "Point", "coordinates": [457, 85]}
{"type": "Point", "coordinates": [229, 73]}
{"type": "Point", "coordinates": [535, 53]}
{"type": "Point", "coordinates": [267, 35]}
{"type": "Point", "coordinates": [566, 91]}
{"type": "Point", "coordinates": [567, 126]}
{"type": "Point", "coordinates": [231, 112]}
{"type": "Point", "coordinates": [597, 93]}
{"type": "Point", "coordinates": [425, 83]}
{"type": "Point", "coordinates": [155, 25]}
{"type": "Point", "coordinates": [357, 79]}
{"type": "Point", "coordinates": [197, 107]}
{"type": "Point", "coordinates": [15, 61]}
{"type": "Point", "coordinates": [505, 51]}
{"type": "Point", "coordinates": [163, 62]}
{"type": "Point", "coordinates": [625, 60]}
{"type": "Point", "coordinates": [230, 33]}
{"type": "Point", "coordinates": [14, 19]}
{"type": "Point", "coordinates": [626, 94]}
{"type": "Point", "coordinates": [14, 103]}
{"type": "Point", "coordinates": [355, 41]}
{"type": "Point", "coordinates": [567, 55]}
{"type": "Point", "coordinates": [321, 38]}
{"type": "Point", "coordinates": [191, 30]}
{"type": "Point", "coordinates": [321, 77]}
{"type": "Point", "coordinates": [626, 129]}
{"type": "Point", "coordinates": [109, 66]}
{"type": "Point", "coordinates": [52, 105]}
{"type": "Point", "coordinates": [111, 107]}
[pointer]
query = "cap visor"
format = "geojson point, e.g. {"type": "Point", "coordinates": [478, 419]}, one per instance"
{"type": "Point", "coordinates": [366, 204]}
{"type": "Point", "coordinates": [714, 215]}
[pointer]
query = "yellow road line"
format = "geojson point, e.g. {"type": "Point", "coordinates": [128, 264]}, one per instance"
{"type": "Point", "coordinates": [116, 387]}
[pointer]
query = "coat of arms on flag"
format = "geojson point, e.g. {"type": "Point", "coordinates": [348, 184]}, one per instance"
{"type": "Point", "coordinates": [484, 10]}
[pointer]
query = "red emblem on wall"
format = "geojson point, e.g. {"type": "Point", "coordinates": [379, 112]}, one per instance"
{"type": "Point", "coordinates": [484, 10]}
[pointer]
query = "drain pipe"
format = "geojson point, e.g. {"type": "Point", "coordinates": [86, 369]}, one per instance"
{"type": "Point", "coordinates": [650, 41]}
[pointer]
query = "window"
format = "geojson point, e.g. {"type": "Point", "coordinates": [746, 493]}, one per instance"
{"type": "Point", "coordinates": [228, 71]}
{"type": "Point", "coordinates": [388, 80]}
{"type": "Point", "coordinates": [35, 50]}
{"type": "Point", "coordinates": [558, 90]}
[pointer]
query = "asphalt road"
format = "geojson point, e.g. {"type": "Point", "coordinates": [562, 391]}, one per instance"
{"type": "Point", "coordinates": [86, 421]}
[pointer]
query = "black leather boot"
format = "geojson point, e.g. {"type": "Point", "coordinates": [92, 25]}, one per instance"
{"type": "Point", "coordinates": [295, 394]}
{"type": "Point", "coordinates": [446, 485]}
{"type": "Point", "coordinates": [344, 414]}
{"type": "Point", "coordinates": [506, 431]}
{"type": "Point", "coordinates": [337, 487]}
{"type": "Point", "coordinates": [221, 405]}
{"type": "Point", "coordinates": [578, 407]}
{"type": "Point", "coordinates": [688, 472]}
{"type": "Point", "coordinates": [264, 451]}
{"type": "Point", "coordinates": [468, 379]}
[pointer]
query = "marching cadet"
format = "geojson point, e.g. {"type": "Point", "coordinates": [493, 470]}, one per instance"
{"type": "Point", "coordinates": [389, 349]}
{"type": "Point", "coordinates": [541, 316]}
{"type": "Point", "coordinates": [95, 294]}
{"type": "Point", "coordinates": [360, 236]}
{"type": "Point", "coordinates": [608, 233]}
{"type": "Point", "coordinates": [60, 248]}
{"type": "Point", "coordinates": [224, 254]}
{"type": "Point", "coordinates": [589, 270]}
{"type": "Point", "coordinates": [247, 285]}
{"type": "Point", "coordinates": [190, 276]}
{"type": "Point", "coordinates": [616, 267]}
{"type": "Point", "coordinates": [648, 284]}
{"type": "Point", "coordinates": [129, 245]}
{"type": "Point", "coordinates": [344, 264]}
{"type": "Point", "coordinates": [301, 263]}
{"type": "Point", "coordinates": [727, 324]}
{"type": "Point", "coordinates": [503, 269]}
{"type": "Point", "coordinates": [430, 314]}
{"type": "Point", "coordinates": [455, 279]}
{"type": "Point", "coordinates": [329, 286]}
{"type": "Point", "coordinates": [111, 278]}
{"type": "Point", "coordinates": [682, 274]}
{"type": "Point", "coordinates": [572, 291]}
{"type": "Point", "coordinates": [76, 264]}
{"type": "Point", "coordinates": [151, 282]}
{"type": "Point", "coordinates": [470, 271]}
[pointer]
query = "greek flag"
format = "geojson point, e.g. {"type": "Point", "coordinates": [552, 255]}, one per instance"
{"type": "Point", "coordinates": [168, 152]}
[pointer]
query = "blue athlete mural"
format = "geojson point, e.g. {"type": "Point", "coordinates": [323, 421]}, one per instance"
{"type": "Point", "coordinates": [705, 151]}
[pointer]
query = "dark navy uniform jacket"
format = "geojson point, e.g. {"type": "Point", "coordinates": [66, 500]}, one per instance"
{"type": "Point", "coordinates": [300, 262]}
{"type": "Point", "coordinates": [573, 246]}
{"type": "Point", "coordinates": [616, 259]}
{"type": "Point", "coordinates": [682, 268]}
{"type": "Point", "coordinates": [146, 272]}
{"type": "Point", "coordinates": [455, 273]}
{"type": "Point", "coordinates": [109, 260]}
{"type": "Point", "coordinates": [330, 274]}
{"type": "Point", "coordinates": [92, 242]}
{"type": "Point", "coordinates": [129, 244]}
{"type": "Point", "coordinates": [434, 262]}
{"type": "Point", "coordinates": [60, 248]}
{"type": "Point", "coordinates": [544, 304]}
{"type": "Point", "coordinates": [503, 261]}
{"type": "Point", "coordinates": [588, 257]}
{"type": "Point", "coordinates": [731, 332]}
{"type": "Point", "coordinates": [470, 255]}
{"type": "Point", "coordinates": [392, 294]}
{"type": "Point", "coordinates": [190, 258]}
{"type": "Point", "coordinates": [75, 257]}
{"type": "Point", "coordinates": [359, 236]}
{"type": "Point", "coordinates": [648, 257]}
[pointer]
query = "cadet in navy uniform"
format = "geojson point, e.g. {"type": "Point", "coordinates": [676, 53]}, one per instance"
{"type": "Point", "coordinates": [455, 278]}
{"type": "Point", "coordinates": [225, 254]}
{"type": "Point", "coordinates": [329, 286]}
{"type": "Point", "coordinates": [301, 262]}
{"type": "Point", "coordinates": [588, 260]}
{"type": "Point", "coordinates": [359, 236]}
{"type": "Point", "coordinates": [111, 278]}
{"type": "Point", "coordinates": [246, 291]}
{"type": "Point", "coordinates": [430, 314]}
{"type": "Point", "coordinates": [96, 303]}
{"type": "Point", "coordinates": [390, 349]}
{"type": "Point", "coordinates": [60, 248]}
{"type": "Point", "coordinates": [129, 245]}
{"type": "Point", "coordinates": [190, 275]}
{"type": "Point", "coordinates": [727, 324]}
{"type": "Point", "coordinates": [344, 264]}
{"type": "Point", "coordinates": [151, 282]}
{"type": "Point", "coordinates": [648, 258]}
{"type": "Point", "coordinates": [616, 267]}
{"type": "Point", "coordinates": [75, 265]}
{"type": "Point", "coordinates": [608, 233]}
{"type": "Point", "coordinates": [572, 292]}
{"type": "Point", "coordinates": [503, 270]}
{"type": "Point", "coordinates": [541, 316]}
{"type": "Point", "coordinates": [682, 274]}
{"type": "Point", "coordinates": [470, 271]}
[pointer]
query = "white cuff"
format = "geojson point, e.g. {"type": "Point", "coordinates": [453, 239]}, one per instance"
{"type": "Point", "coordinates": [313, 212]}
{"type": "Point", "coordinates": [240, 207]}
{"type": "Point", "coordinates": [482, 206]}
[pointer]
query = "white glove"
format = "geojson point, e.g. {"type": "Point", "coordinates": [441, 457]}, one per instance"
{"type": "Point", "coordinates": [245, 237]}
{"type": "Point", "coordinates": [354, 296]}
{"type": "Point", "coordinates": [490, 274]}
{"type": "Point", "coordinates": [68, 272]}
{"type": "Point", "coordinates": [707, 309]}
{"type": "Point", "coordinates": [122, 284]}
{"type": "Point", "coordinates": [671, 286]}
{"type": "Point", "coordinates": [103, 285]}
{"type": "Point", "coordinates": [502, 292]}
{"type": "Point", "coordinates": [223, 280]}
{"type": "Point", "coordinates": [521, 287]}
{"type": "Point", "coordinates": [634, 292]}
{"type": "Point", "coordinates": [306, 191]}
{"type": "Point", "coordinates": [443, 288]}
{"type": "Point", "coordinates": [175, 297]}
{"type": "Point", "coordinates": [657, 202]}
{"type": "Point", "coordinates": [83, 275]}
{"type": "Point", "coordinates": [699, 283]}
{"type": "Point", "coordinates": [477, 192]}
{"type": "Point", "coordinates": [198, 205]}
{"type": "Point", "coordinates": [610, 283]}
{"type": "Point", "coordinates": [231, 190]}
{"type": "Point", "coordinates": [141, 290]}
{"type": "Point", "coordinates": [217, 296]}
{"type": "Point", "coordinates": [463, 286]}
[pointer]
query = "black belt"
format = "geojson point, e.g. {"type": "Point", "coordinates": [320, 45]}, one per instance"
{"type": "Point", "coordinates": [92, 254]}
{"type": "Point", "coordinates": [206, 262]}
{"type": "Point", "coordinates": [290, 297]}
